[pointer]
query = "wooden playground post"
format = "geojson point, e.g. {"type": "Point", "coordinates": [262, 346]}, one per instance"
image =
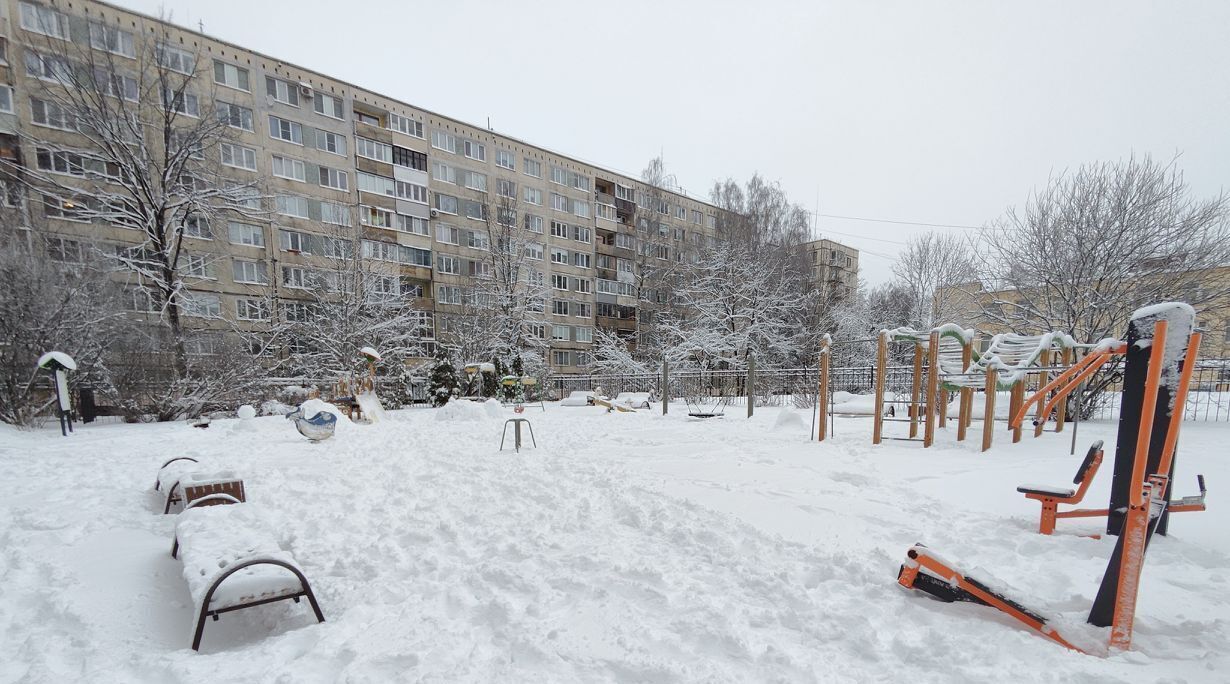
{"type": "Point", "coordinates": [881, 363]}
{"type": "Point", "coordinates": [916, 389]}
{"type": "Point", "coordinates": [966, 394]}
{"type": "Point", "coordinates": [1015, 399]}
{"type": "Point", "coordinates": [988, 411]}
{"type": "Point", "coordinates": [933, 390]}
{"type": "Point", "coordinates": [1061, 413]}
{"type": "Point", "coordinates": [822, 393]}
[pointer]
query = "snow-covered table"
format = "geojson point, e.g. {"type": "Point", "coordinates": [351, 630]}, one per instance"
{"type": "Point", "coordinates": [232, 560]}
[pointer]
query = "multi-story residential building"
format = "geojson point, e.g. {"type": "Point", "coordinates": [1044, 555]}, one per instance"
{"type": "Point", "coordinates": [834, 267]}
{"type": "Point", "coordinates": [417, 185]}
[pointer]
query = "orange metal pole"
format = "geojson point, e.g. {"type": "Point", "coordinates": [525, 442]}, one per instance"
{"type": "Point", "coordinates": [1147, 410]}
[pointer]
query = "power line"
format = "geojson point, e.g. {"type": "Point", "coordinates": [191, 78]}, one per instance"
{"type": "Point", "coordinates": [901, 223]}
{"type": "Point", "coordinates": [862, 237]}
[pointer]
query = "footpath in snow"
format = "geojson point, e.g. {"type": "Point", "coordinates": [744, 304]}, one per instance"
{"type": "Point", "coordinates": [628, 547]}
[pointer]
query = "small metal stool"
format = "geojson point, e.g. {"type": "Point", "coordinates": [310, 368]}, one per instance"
{"type": "Point", "coordinates": [517, 433]}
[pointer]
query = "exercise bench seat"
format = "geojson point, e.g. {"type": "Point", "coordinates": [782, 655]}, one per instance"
{"type": "Point", "coordinates": [1051, 497]}
{"type": "Point", "coordinates": [232, 560]}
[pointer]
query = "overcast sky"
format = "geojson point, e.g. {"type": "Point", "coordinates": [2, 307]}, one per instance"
{"type": "Point", "coordinates": [933, 112]}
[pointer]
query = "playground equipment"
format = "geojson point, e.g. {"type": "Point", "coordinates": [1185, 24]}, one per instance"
{"type": "Point", "coordinates": [317, 428]}
{"type": "Point", "coordinates": [945, 361]}
{"type": "Point", "coordinates": [1161, 351]}
{"type": "Point", "coordinates": [709, 396]}
{"type": "Point", "coordinates": [526, 385]}
{"type": "Point", "coordinates": [59, 364]}
{"type": "Point", "coordinates": [356, 396]}
{"type": "Point", "coordinates": [516, 423]}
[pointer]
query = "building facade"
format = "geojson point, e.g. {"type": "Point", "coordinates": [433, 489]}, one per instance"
{"type": "Point", "coordinates": [834, 267]}
{"type": "Point", "coordinates": [417, 185]}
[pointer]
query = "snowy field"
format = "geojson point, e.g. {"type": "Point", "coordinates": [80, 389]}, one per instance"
{"type": "Point", "coordinates": [627, 547]}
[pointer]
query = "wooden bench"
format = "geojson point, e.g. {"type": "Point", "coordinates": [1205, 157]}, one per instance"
{"type": "Point", "coordinates": [183, 471]}
{"type": "Point", "coordinates": [232, 560]}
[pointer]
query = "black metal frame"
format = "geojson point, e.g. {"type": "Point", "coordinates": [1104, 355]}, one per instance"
{"type": "Point", "coordinates": [171, 498]}
{"type": "Point", "coordinates": [204, 613]}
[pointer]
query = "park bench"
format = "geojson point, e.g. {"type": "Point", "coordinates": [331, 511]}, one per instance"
{"type": "Point", "coordinates": [232, 560]}
{"type": "Point", "coordinates": [181, 472]}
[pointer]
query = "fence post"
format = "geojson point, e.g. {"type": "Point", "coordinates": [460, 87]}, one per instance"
{"type": "Point", "coordinates": [822, 393]}
{"type": "Point", "coordinates": [666, 387]}
{"type": "Point", "coordinates": [751, 384]}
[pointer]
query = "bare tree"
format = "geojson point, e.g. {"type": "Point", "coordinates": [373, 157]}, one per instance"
{"type": "Point", "coordinates": [1095, 244]}
{"type": "Point", "coordinates": [138, 153]}
{"type": "Point", "coordinates": [929, 262]}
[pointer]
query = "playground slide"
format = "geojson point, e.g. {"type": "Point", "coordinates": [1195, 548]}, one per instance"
{"type": "Point", "coordinates": [370, 404]}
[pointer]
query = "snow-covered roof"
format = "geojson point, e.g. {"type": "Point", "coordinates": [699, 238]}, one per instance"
{"type": "Point", "coordinates": [58, 357]}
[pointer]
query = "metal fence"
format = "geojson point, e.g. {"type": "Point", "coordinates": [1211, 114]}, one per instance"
{"type": "Point", "coordinates": [1208, 399]}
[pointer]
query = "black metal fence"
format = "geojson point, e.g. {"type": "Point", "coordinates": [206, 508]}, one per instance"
{"type": "Point", "coordinates": [1208, 399]}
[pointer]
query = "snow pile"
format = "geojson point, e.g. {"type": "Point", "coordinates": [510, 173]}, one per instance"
{"type": "Point", "coordinates": [493, 408]}
{"type": "Point", "coordinates": [371, 407]}
{"type": "Point", "coordinates": [462, 411]}
{"type": "Point", "coordinates": [273, 407]}
{"type": "Point", "coordinates": [246, 412]}
{"type": "Point", "coordinates": [789, 420]}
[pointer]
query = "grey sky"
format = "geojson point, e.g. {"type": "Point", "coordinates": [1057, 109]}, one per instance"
{"type": "Point", "coordinates": [941, 112]}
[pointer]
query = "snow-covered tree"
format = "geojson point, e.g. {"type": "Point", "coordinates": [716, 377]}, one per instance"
{"type": "Point", "coordinates": [55, 298]}
{"type": "Point", "coordinates": [356, 299]}
{"type": "Point", "coordinates": [932, 261]}
{"type": "Point", "coordinates": [139, 154]}
{"type": "Point", "coordinates": [442, 384]}
{"type": "Point", "coordinates": [612, 356]}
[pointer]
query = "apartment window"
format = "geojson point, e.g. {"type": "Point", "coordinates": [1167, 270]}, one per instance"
{"type": "Point", "coordinates": [196, 226]}
{"type": "Point", "coordinates": [286, 167]}
{"type": "Point", "coordinates": [197, 266]}
{"type": "Point", "coordinates": [532, 167]}
{"type": "Point", "coordinates": [506, 159]}
{"type": "Point", "coordinates": [506, 188]}
{"type": "Point", "coordinates": [581, 234]}
{"type": "Point", "coordinates": [583, 285]}
{"type": "Point", "coordinates": [75, 209]}
{"type": "Point", "coordinates": [411, 224]}
{"type": "Point", "coordinates": [375, 216]}
{"type": "Point", "coordinates": [559, 230]}
{"type": "Point", "coordinates": [561, 332]}
{"type": "Point", "coordinates": [580, 259]}
{"type": "Point", "coordinates": [476, 239]}
{"type": "Point", "coordinates": [444, 173]}
{"type": "Point", "coordinates": [478, 269]}
{"type": "Point", "coordinates": [181, 102]}
{"type": "Point", "coordinates": [681, 213]}
{"type": "Point", "coordinates": [73, 164]}
{"type": "Point", "coordinates": [244, 196]}
{"type": "Point", "coordinates": [448, 294]}
{"type": "Point", "coordinates": [580, 208]}
{"type": "Point", "coordinates": [449, 265]}
{"type": "Point", "coordinates": [201, 305]}
{"type": "Point", "coordinates": [710, 221]}
{"type": "Point", "coordinates": [235, 116]}
{"type": "Point", "coordinates": [559, 202]}
{"type": "Point", "coordinates": [44, 20]}
{"type": "Point", "coordinates": [365, 118]}
{"type": "Point", "coordinates": [606, 211]}
{"type": "Point", "coordinates": [580, 182]}
{"type": "Point", "coordinates": [292, 205]}
{"type": "Point", "coordinates": [238, 156]}
{"type": "Point", "coordinates": [251, 309]}
{"type": "Point", "coordinates": [372, 149]}
{"type": "Point", "coordinates": [447, 233]}
{"type": "Point", "coordinates": [538, 330]}
{"type": "Point", "coordinates": [283, 129]}
{"type": "Point", "coordinates": [406, 125]}
{"type": "Point", "coordinates": [329, 106]}
{"type": "Point", "coordinates": [111, 39]}
{"type": "Point", "coordinates": [295, 277]}
{"type": "Point", "coordinates": [559, 307]}
{"type": "Point", "coordinates": [245, 234]}
{"type": "Point", "coordinates": [411, 191]}
{"type": "Point", "coordinates": [446, 203]}
{"type": "Point", "coordinates": [282, 91]}
{"type": "Point", "coordinates": [532, 196]}
{"type": "Point", "coordinates": [559, 281]}
{"type": "Point", "coordinates": [561, 358]}
{"type": "Point", "coordinates": [624, 265]}
{"type": "Point", "coordinates": [231, 76]}
{"type": "Point", "coordinates": [330, 142]}
{"type": "Point", "coordinates": [624, 192]}
{"type": "Point", "coordinates": [505, 216]}
{"type": "Point", "coordinates": [583, 310]}
{"type": "Point", "coordinates": [475, 210]}
{"type": "Point", "coordinates": [475, 150]}
{"type": "Point", "coordinates": [696, 217]}
{"type": "Point", "coordinates": [334, 178]}
{"type": "Point", "coordinates": [334, 213]}
{"type": "Point", "coordinates": [476, 181]}
{"type": "Point", "coordinates": [444, 141]}
{"type": "Point", "coordinates": [294, 241]}
{"type": "Point", "coordinates": [533, 250]}
{"type": "Point", "coordinates": [251, 272]}
{"type": "Point", "coordinates": [625, 241]}
{"type": "Point", "coordinates": [51, 115]}
{"type": "Point", "coordinates": [559, 176]}
{"type": "Point", "coordinates": [584, 333]}
{"type": "Point", "coordinates": [378, 185]}
{"type": "Point", "coordinates": [533, 223]}
{"type": "Point", "coordinates": [410, 159]}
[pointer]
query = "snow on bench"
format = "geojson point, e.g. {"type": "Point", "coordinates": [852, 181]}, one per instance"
{"type": "Point", "coordinates": [578, 398]}
{"type": "Point", "coordinates": [180, 480]}
{"type": "Point", "coordinates": [169, 475]}
{"type": "Point", "coordinates": [232, 560]}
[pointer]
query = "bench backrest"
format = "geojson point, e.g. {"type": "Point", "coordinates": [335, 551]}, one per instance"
{"type": "Point", "coordinates": [1086, 464]}
{"type": "Point", "coordinates": [195, 491]}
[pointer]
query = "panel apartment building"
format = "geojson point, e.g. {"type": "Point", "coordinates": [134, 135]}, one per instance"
{"type": "Point", "coordinates": [416, 184]}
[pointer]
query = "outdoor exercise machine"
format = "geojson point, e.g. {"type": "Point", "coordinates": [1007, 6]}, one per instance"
{"type": "Point", "coordinates": [1161, 349]}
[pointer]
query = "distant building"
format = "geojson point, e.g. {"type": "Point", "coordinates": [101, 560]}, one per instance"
{"type": "Point", "coordinates": [834, 267]}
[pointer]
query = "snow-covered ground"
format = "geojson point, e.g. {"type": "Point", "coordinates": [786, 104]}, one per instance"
{"type": "Point", "coordinates": [626, 547]}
